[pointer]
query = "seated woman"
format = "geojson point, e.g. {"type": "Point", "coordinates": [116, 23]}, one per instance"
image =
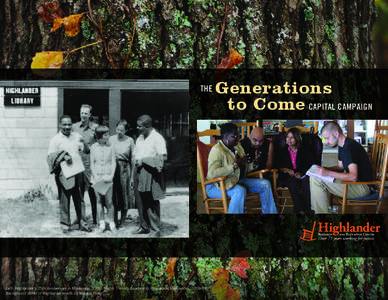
{"type": "Point", "coordinates": [294, 161]}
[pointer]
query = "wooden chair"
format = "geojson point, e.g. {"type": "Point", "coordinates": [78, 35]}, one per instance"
{"type": "Point", "coordinates": [212, 133]}
{"type": "Point", "coordinates": [313, 129]}
{"type": "Point", "coordinates": [245, 128]}
{"type": "Point", "coordinates": [252, 203]}
{"type": "Point", "coordinates": [381, 127]}
{"type": "Point", "coordinates": [379, 164]}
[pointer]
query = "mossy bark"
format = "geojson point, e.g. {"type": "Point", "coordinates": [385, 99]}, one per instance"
{"type": "Point", "coordinates": [136, 278]}
{"type": "Point", "coordinates": [185, 34]}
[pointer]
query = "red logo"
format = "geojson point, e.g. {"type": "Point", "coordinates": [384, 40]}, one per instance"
{"type": "Point", "coordinates": [344, 231]}
{"type": "Point", "coordinates": [308, 235]}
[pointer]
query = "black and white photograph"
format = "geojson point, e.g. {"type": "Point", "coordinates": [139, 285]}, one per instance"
{"type": "Point", "coordinates": [94, 158]}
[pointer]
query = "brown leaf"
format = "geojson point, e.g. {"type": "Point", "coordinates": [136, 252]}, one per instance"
{"type": "Point", "coordinates": [171, 266]}
{"type": "Point", "coordinates": [50, 11]}
{"type": "Point", "coordinates": [71, 23]}
{"type": "Point", "coordinates": [228, 62]}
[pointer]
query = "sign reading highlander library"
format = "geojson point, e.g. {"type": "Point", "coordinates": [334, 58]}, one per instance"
{"type": "Point", "coordinates": [22, 96]}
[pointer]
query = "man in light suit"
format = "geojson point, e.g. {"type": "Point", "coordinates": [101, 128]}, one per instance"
{"type": "Point", "coordinates": [66, 146]}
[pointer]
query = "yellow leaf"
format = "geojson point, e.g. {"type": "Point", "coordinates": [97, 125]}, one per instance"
{"type": "Point", "coordinates": [47, 60]}
{"type": "Point", "coordinates": [45, 64]}
{"type": "Point", "coordinates": [71, 24]}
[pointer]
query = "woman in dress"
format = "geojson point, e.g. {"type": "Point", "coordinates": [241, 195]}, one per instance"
{"type": "Point", "coordinates": [294, 161]}
{"type": "Point", "coordinates": [123, 146]}
{"type": "Point", "coordinates": [102, 166]}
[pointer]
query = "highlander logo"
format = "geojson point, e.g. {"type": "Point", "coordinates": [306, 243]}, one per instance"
{"type": "Point", "coordinates": [342, 231]}
{"type": "Point", "coordinates": [308, 235]}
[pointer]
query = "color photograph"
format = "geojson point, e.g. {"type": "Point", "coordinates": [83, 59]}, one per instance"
{"type": "Point", "coordinates": [297, 166]}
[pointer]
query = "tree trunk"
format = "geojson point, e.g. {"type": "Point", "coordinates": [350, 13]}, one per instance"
{"type": "Point", "coordinates": [178, 34]}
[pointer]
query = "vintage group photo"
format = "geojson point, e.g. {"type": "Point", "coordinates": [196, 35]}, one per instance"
{"type": "Point", "coordinates": [292, 166]}
{"type": "Point", "coordinates": [94, 159]}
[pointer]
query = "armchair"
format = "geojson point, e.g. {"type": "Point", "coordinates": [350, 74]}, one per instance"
{"type": "Point", "coordinates": [252, 203]}
{"type": "Point", "coordinates": [379, 164]}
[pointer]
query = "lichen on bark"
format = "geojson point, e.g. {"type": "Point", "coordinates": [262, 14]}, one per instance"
{"type": "Point", "coordinates": [170, 34]}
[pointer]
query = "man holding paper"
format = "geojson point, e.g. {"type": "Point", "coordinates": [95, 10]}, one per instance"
{"type": "Point", "coordinates": [149, 156]}
{"type": "Point", "coordinates": [65, 162]}
{"type": "Point", "coordinates": [353, 165]}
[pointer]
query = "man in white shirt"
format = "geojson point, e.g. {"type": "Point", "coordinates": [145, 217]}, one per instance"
{"type": "Point", "coordinates": [66, 146]}
{"type": "Point", "coordinates": [149, 156]}
{"type": "Point", "coordinates": [86, 128]}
